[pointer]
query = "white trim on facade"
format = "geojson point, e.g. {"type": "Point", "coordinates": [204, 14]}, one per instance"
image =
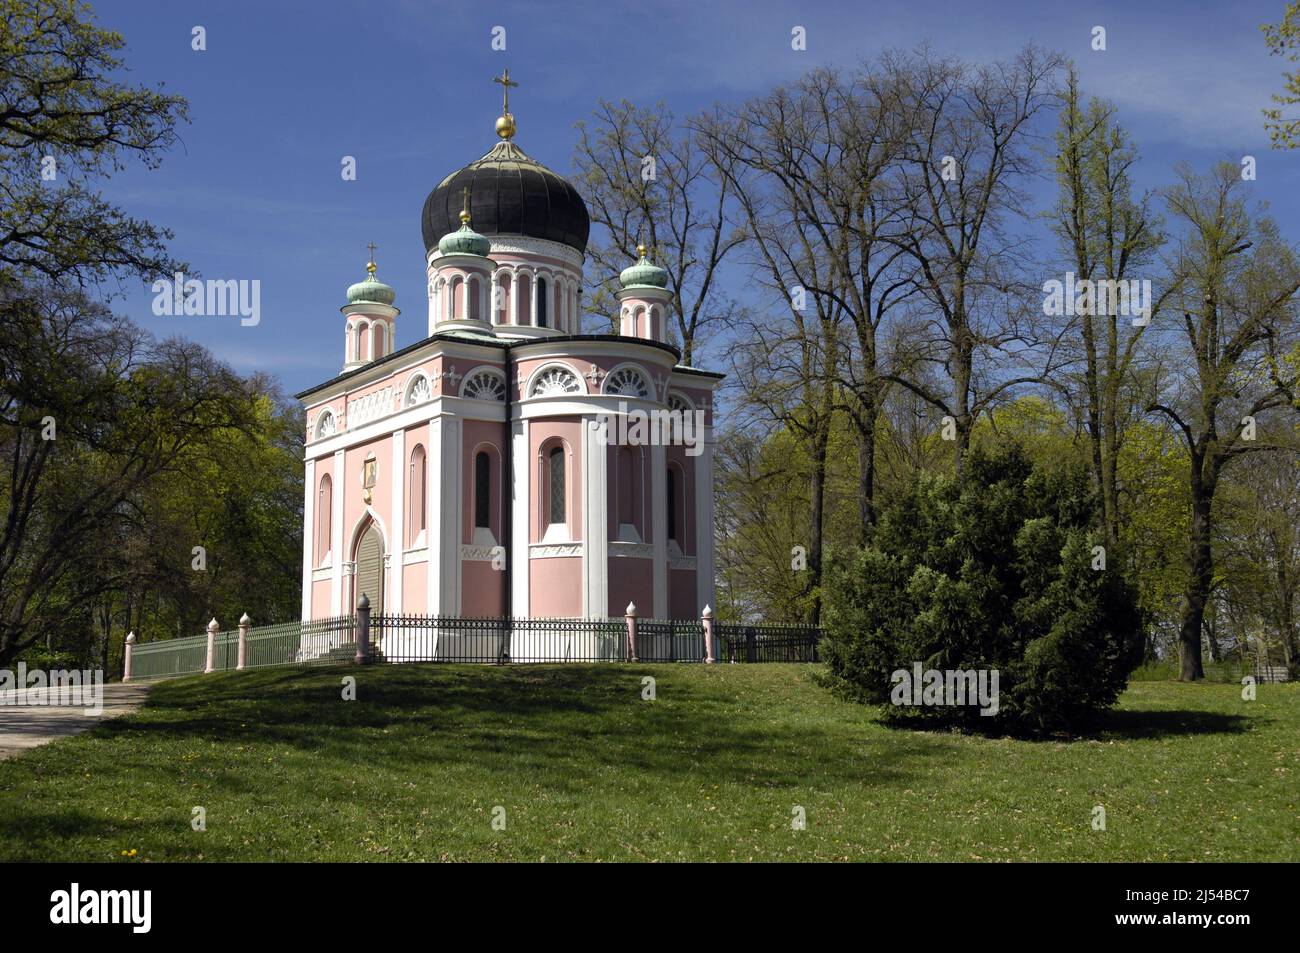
{"type": "Point", "coordinates": [520, 511]}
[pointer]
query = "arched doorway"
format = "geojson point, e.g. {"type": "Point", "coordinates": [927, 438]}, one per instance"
{"type": "Point", "coordinates": [370, 569]}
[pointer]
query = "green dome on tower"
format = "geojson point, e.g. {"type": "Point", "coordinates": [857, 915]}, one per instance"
{"type": "Point", "coordinates": [371, 290]}
{"type": "Point", "coordinates": [644, 274]}
{"type": "Point", "coordinates": [464, 241]}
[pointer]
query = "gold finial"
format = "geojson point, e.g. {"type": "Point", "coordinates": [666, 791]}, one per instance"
{"type": "Point", "coordinates": [640, 250]}
{"type": "Point", "coordinates": [464, 212]}
{"type": "Point", "coordinates": [370, 267]}
{"type": "Point", "coordinates": [506, 122]}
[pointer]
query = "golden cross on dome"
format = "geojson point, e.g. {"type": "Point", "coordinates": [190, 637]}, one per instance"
{"type": "Point", "coordinates": [506, 82]}
{"type": "Point", "coordinates": [464, 212]}
{"type": "Point", "coordinates": [370, 267]}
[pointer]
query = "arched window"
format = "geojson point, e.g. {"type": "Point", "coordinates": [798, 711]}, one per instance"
{"type": "Point", "coordinates": [417, 494]}
{"type": "Point", "coordinates": [555, 486]}
{"type": "Point", "coordinates": [482, 490]}
{"type": "Point", "coordinates": [541, 302]}
{"type": "Point", "coordinates": [324, 517]}
{"type": "Point", "coordinates": [672, 505]}
{"type": "Point", "coordinates": [626, 486]}
{"type": "Point", "coordinates": [473, 312]}
{"type": "Point", "coordinates": [503, 311]}
{"type": "Point", "coordinates": [457, 298]}
{"type": "Point", "coordinates": [525, 292]}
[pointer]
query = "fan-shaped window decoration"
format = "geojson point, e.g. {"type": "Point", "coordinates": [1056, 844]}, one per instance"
{"type": "Point", "coordinates": [326, 426]}
{"type": "Point", "coordinates": [484, 385]}
{"type": "Point", "coordinates": [679, 403]}
{"type": "Point", "coordinates": [555, 381]}
{"type": "Point", "coordinates": [627, 382]}
{"type": "Point", "coordinates": [418, 391]}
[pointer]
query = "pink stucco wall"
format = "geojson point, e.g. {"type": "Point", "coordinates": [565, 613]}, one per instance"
{"type": "Point", "coordinates": [631, 580]}
{"type": "Point", "coordinates": [555, 586]}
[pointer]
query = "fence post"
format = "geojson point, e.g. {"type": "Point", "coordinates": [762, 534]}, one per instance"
{"type": "Point", "coordinates": [706, 617]}
{"type": "Point", "coordinates": [363, 630]}
{"type": "Point", "coordinates": [630, 618]}
{"type": "Point", "coordinates": [126, 664]}
{"type": "Point", "coordinates": [211, 663]}
{"type": "Point", "coordinates": [244, 623]}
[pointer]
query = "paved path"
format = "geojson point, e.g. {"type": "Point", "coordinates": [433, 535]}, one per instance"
{"type": "Point", "coordinates": [26, 726]}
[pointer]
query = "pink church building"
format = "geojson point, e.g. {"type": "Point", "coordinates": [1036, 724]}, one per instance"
{"type": "Point", "coordinates": [473, 472]}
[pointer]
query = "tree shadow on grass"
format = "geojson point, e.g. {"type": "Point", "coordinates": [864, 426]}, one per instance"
{"type": "Point", "coordinates": [521, 720]}
{"type": "Point", "coordinates": [1111, 725]}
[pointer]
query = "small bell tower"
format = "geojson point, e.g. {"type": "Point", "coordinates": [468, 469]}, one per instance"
{"type": "Point", "coordinates": [644, 300]}
{"type": "Point", "coordinates": [371, 319]}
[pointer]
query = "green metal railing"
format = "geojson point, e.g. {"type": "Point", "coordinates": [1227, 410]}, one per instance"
{"type": "Point", "coordinates": [318, 642]}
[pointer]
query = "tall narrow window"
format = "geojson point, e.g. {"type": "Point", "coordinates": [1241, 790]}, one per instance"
{"type": "Point", "coordinates": [457, 298]}
{"type": "Point", "coordinates": [626, 487]}
{"type": "Point", "coordinates": [482, 491]}
{"type": "Point", "coordinates": [555, 472]}
{"type": "Point", "coordinates": [524, 289]}
{"type": "Point", "coordinates": [417, 495]}
{"type": "Point", "coordinates": [541, 302]}
{"type": "Point", "coordinates": [503, 312]}
{"type": "Point", "coordinates": [324, 516]}
{"type": "Point", "coordinates": [672, 505]}
{"type": "Point", "coordinates": [473, 311]}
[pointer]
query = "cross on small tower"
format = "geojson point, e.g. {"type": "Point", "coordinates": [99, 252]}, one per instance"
{"type": "Point", "coordinates": [372, 246]}
{"type": "Point", "coordinates": [506, 82]}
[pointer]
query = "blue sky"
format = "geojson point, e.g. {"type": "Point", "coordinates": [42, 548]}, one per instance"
{"type": "Point", "coordinates": [286, 89]}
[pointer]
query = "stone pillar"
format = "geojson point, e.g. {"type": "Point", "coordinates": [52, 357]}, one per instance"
{"type": "Point", "coordinates": [363, 630]}
{"type": "Point", "coordinates": [630, 619]}
{"type": "Point", "coordinates": [211, 663]}
{"type": "Point", "coordinates": [244, 623]}
{"type": "Point", "coordinates": [126, 664]}
{"type": "Point", "coordinates": [706, 617]}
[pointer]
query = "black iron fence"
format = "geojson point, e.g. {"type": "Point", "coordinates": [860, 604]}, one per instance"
{"type": "Point", "coordinates": [416, 638]}
{"type": "Point", "coordinates": [742, 642]}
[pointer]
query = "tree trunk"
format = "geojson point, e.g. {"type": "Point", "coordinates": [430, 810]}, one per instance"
{"type": "Point", "coordinates": [817, 506]}
{"type": "Point", "coordinates": [1200, 576]}
{"type": "Point", "coordinates": [866, 432]}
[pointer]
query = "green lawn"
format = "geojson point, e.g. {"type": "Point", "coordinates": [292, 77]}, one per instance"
{"type": "Point", "coordinates": [587, 770]}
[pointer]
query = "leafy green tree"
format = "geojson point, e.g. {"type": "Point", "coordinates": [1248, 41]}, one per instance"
{"type": "Point", "coordinates": [92, 411]}
{"type": "Point", "coordinates": [1236, 280]}
{"type": "Point", "coordinates": [65, 120]}
{"type": "Point", "coordinates": [1283, 39]}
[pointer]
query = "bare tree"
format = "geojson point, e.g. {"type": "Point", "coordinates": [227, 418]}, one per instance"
{"type": "Point", "coordinates": [963, 173]}
{"type": "Point", "coordinates": [647, 182]}
{"type": "Point", "coordinates": [1106, 236]}
{"type": "Point", "coordinates": [1237, 282]}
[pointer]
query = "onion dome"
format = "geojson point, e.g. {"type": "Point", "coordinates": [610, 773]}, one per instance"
{"type": "Point", "coordinates": [510, 193]}
{"type": "Point", "coordinates": [464, 241]}
{"type": "Point", "coordinates": [371, 290]}
{"type": "Point", "coordinates": [644, 274]}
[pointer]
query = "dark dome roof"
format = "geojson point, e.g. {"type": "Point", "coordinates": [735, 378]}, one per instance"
{"type": "Point", "coordinates": [509, 194]}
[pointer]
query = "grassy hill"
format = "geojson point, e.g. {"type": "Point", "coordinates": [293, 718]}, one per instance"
{"type": "Point", "coordinates": [586, 769]}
